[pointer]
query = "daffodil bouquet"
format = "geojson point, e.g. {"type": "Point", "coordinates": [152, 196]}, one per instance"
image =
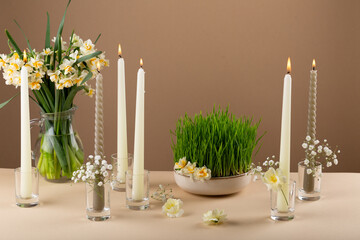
{"type": "Point", "coordinates": [56, 75]}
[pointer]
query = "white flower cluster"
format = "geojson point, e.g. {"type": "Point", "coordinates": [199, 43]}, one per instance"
{"type": "Point", "coordinates": [315, 150]}
{"type": "Point", "coordinates": [95, 171]}
{"type": "Point", "coordinates": [68, 72]}
{"type": "Point", "coordinates": [186, 168]}
{"type": "Point", "coordinates": [162, 193]}
{"type": "Point", "coordinates": [266, 165]}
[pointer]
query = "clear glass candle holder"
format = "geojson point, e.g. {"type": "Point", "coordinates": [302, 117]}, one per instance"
{"type": "Point", "coordinates": [283, 202]}
{"type": "Point", "coordinates": [309, 185]}
{"type": "Point", "coordinates": [27, 187]}
{"type": "Point", "coordinates": [137, 190]}
{"type": "Point", "coordinates": [97, 201]}
{"type": "Point", "coordinates": [118, 177]}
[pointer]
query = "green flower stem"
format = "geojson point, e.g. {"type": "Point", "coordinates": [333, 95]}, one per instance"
{"type": "Point", "coordinates": [282, 191]}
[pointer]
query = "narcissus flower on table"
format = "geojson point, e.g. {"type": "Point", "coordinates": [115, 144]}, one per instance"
{"type": "Point", "coordinates": [214, 217]}
{"type": "Point", "coordinates": [173, 208]}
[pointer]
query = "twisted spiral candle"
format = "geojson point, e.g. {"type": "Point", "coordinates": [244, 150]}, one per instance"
{"type": "Point", "coordinates": [99, 117]}
{"type": "Point", "coordinates": [311, 124]}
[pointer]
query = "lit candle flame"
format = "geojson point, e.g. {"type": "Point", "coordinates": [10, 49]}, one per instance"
{"type": "Point", "coordinates": [98, 66]}
{"type": "Point", "coordinates": [288, 67]}
{"type": "Point", "coordinates": [141, 62]}
{"type": "Point", "coordinates": [313, 64]}
{"type": "Point", "coordinates": [25, 57]}
{"type": "Point", "coordinates": [119, 50]}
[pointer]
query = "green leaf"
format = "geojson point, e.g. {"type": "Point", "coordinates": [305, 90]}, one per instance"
{"type": "Point", "coordinates": [6, 102]}
{"type": "Point", "coordinates": [47, 35]}
{"type": "Point", "coordinates": [61, 26]}
{"type": "Point", "coordinates": [97, 38]}
{"type": "Point", "coordinates": [87, 77]}
{"type": "Point", "coordinates": [87, 57]}
{"type": "Point", "coordinates": [70, 97]}
{"type": "Point", "coordinates": [17, 49]}
{"type": "Point", "coordinates": [27, 40]}
{"type": "Point", "coordinates": [58, 36]}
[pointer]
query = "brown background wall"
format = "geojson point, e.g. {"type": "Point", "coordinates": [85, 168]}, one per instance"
{"type": "Point", "coordinates": [200, 53]}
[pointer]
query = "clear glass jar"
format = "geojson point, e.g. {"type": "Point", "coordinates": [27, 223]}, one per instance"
{"type": "Point", "coordinates": [98, 201]}
{"type": "Point", "coordinates": [137, 190]}
{"type": "Point", "coordinates": [309, 187]}
{"type": "Point", "coordinates": [120, 166]}
{"type": "Point", "coordinates": [26, 187]}
{"type": "Point", "coordinates": [283, 202]}
{"type": "Point", "coordinates": [58, 151]}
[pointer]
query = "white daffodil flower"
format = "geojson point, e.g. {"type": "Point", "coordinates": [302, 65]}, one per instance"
{"type": "Point", "coordinates": [214, 217]}
{"type": "Point", "coordinates": [54, 76]}
{"type": "Point", "coordinates": [189, 169]}
{"type": "Point", "coordinates": [77, 41]}
{"type": "Point", "coordinates": [274, 179]}
{"type": "Point", "coordinates": [87, 47]}
{"type": "Point", "coordinates": [202, 174]}
{"type": "Point", "coordinates": [180, 164]}
{"type": "Point", "coordinates": [66, 66]}
{"type": "Point", "coordinates": [46, 52]}
{"type": "Point", "coordinates": [173, 208]}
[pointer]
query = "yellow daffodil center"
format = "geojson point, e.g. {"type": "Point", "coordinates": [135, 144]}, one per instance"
{"type": "Point", "coordinates": [16, 56]}
{"type": "Point", "coordinates": [87, 46]}
{"type": "Point", "coordinates": [37, 64]}
{"type": "Point", "coordinates": [202, 173]}
{"type": "Point", "coordinates": [68, 68]}
{"type": "Point", "coordinates": [273, 179]}
{"type": "Point", "coordinates": [15, 65]}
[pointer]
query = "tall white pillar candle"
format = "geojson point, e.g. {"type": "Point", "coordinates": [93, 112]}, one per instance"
{"type": "Point", "coordinates": [99, 115]}
{"type": "Point", "coordinates": [138, 169]}
{"type": "Point", "coordinates": [122, 149]}
{"type": "Point", "coordinates": [284, 164]}
{"type": "Point", "coordinates": [26, 175]}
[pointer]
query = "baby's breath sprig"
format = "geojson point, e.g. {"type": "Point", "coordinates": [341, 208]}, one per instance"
{"type": "Point", "coordinates": [94, 172]}
{"type": "Point", "coordinates": [162, 193]}
{"type": "Point", "coordinates": [315, 150]}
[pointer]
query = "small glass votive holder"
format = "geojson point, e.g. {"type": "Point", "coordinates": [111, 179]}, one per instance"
{"type": "Point", "coordinates": [283, 202]}
{"type": "Point", "coordinates": [309, 185]}
{"type": "Point", "coordinates": [118, 178]}
{"type": "Point", "coordinates": [97, 201]}
{"type": "Point", "coordinates": [27, 187]}
{"type": "Point", "coordinates": [137, 190]}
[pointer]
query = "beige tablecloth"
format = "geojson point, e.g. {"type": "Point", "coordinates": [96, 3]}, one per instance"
{"type": "Point", "coordinates": [61, 214]}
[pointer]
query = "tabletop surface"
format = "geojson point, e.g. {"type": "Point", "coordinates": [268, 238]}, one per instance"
{"type": "Point", "coordinates": [61, 213]}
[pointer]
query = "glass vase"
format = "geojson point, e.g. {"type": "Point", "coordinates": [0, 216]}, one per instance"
{"type": "Point", "coordinates": [58, 150]}
{"type": "Point", "coordinates": [97, 201]}
{"type": "Point", "coordinates": [309, 181]}
{"type": "Point", "coordinates": [283, 202]}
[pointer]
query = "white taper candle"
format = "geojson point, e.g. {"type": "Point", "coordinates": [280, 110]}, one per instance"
{"type": "Point", "coordinates": [284, 164]}
{"type": "Point", "coordinates": [138, 169]}
{"type": "Point", "coordinates": [26, 173]}
{"type": "Point", "coordinates": [122, 149]}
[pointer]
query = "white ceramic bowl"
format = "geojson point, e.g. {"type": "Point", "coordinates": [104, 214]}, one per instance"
{"type": "Point", "coordinates": [214, 186]}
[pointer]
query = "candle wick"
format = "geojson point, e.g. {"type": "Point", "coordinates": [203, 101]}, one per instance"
{"type": "Point", "coordinates": [313, 68]}
{"type": "Point", "coordinates": [98, 71]}
{"type": "Point", "coordinates": [120, 56]}
{"type": "Point", "coordinates": [288, 72]}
